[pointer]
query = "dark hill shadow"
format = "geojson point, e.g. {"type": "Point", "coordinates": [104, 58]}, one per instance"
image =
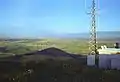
{"type": "Point", "coordinates": [51, 52]}
{"type": "Point", "coordinates": [3, 49]}
{"type": "Point", "coordinates": [55, 52]}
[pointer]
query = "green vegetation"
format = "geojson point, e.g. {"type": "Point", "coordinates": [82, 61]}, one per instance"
{"type": "Point", "coordinates": [76, 46]}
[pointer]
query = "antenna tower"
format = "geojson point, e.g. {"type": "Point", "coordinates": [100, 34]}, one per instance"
{"type": "Point", "coordinates": [93, 38]}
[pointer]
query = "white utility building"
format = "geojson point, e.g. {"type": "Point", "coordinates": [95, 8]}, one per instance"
{"type": "Point", "coordinates": [105, 61]}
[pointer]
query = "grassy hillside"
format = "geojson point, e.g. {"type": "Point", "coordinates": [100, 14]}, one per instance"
{"type": "Point", "coordinates": [54, 70]}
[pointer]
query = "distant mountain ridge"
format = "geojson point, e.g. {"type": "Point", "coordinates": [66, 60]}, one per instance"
{"type": "Point", "coordinates": [100, 35]}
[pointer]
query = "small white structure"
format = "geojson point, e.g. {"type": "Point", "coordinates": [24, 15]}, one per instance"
{"type": "Point", "coordinates": [105, 47]}
{"type": "Point", "coordinates": [105, 50]}
{"type": "Point", "coordinates": [13, 54]}
{"type": "Point", "coordinates": [91, 60]}
{"type": "Point", "coordinates": [115, 63]}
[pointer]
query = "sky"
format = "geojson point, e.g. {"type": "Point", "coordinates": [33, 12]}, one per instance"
{"type": "Point", "coordinates": [37, 18]}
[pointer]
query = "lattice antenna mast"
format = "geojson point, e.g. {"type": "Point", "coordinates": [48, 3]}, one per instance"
{"type": "Point", "coordinates": [93, 38]}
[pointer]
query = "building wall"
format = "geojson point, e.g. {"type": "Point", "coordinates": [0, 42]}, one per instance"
{"type": "Point", "coordinates": [91, 60]}
{"type": "Point", "coordinates": [115, 64]}
{"type": "Point", "coordinates": [109, 61]}
{"type": "Point", "coordinates": [104, 61]}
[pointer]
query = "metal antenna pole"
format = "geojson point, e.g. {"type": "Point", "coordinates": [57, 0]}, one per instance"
{"type": "Point", "coordinates": [93, 38]}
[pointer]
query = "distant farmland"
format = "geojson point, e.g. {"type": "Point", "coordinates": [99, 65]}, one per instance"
{"type": "Point", "coordinates": [76, 46]}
